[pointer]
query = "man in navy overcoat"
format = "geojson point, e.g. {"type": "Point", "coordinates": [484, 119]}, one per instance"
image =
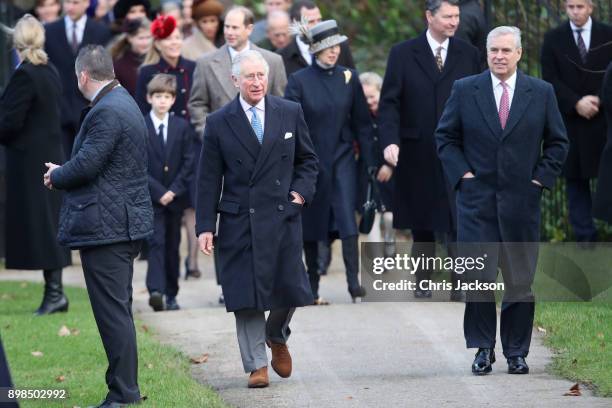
{"type": "Point", "coordinates": [501, 140]}
{"type": "Point", "coordinates": [257, 169]}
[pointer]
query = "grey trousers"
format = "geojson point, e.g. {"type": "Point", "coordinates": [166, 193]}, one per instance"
{"type": "Point", "coordinates": [253, 330]}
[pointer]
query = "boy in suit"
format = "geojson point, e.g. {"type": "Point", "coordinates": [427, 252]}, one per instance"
{"type": "Point", "coordinates": [170, 171]}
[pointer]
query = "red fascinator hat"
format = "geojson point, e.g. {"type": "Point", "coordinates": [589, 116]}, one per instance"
{"type": "Point", "coordinates": [162, 27]}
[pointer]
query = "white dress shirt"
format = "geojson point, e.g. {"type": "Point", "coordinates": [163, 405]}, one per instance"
{"type": "Point", "coordinates": [498, 89]}
{"type": "Point", "coordinates": [435, 45]}
{"type": "Point", "coordinates": [157, 122]}
{"type": "Point", "coordinates": [260, 109]}
{"type": "Point", "coordinates": [303, 47]}
{"type": "Point", "coordinates": [80, 28]}
{"type": "Point", "coordinates": [586, 32]}
{"type": "Point", "coordinates": [234, 53]}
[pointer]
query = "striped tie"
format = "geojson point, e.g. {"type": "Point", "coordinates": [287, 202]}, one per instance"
{"type": "Point", "coordinates": [581, 45]}
{"type": "Point", "coordinates": [256, 125]}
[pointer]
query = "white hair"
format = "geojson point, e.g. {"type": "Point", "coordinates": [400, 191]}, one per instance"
{"type": "Point", "coordinates": [249, 55]}
{"type": "Point", "coordinates": [505, 30]}
{"type": "Point", "coordinates": [371, 79]}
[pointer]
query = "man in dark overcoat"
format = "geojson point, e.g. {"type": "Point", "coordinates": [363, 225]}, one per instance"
{"type": "Point", "coordinates": [419, 77]}
{"type": "Point", "coordinates": [257, 169]}
{"type": "Point", "coordinates": [63, 40]}
{"type": "Point", "coordinates": [107, 212]}
{"type": "Point", "coordinates": [574, 58]}
{"type": "Point", "coordinates": [501, 139]}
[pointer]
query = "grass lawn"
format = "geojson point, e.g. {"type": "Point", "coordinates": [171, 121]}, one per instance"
{"type": "Point", "coordinates": [77, 362]}
{"type": "Point", "coordinates": [580, 334]}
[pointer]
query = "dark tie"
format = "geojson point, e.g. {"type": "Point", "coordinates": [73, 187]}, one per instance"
{"type": "Point", "coordinates": [581, 46]}
{"type": "Point", "coordinates": [74, 43]}
{"type": "Point", "coordinates": [160, 135]}
{"type": "Point", "coordinates": [439, 61]}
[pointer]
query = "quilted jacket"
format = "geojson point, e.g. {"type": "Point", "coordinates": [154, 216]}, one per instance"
{"type": "Point", "coordinates": [107, 196]}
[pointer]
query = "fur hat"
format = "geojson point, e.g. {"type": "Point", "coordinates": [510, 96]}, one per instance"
{"type": "Point", "coordinates": [203, 8]}
{"type": "Point", "coordinates": [162, 27]}
{"type": "Point", "coordinates": [122, 7]}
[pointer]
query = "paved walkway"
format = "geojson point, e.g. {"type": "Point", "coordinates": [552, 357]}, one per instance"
{"type": "Point", "coordinates": [347, 355]}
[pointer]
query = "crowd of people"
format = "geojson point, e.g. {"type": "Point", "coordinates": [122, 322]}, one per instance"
{"type": "Point", "coordinates": [259, 136]}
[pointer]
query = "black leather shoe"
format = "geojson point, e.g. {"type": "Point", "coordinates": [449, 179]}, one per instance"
{"type": "Point", "coordinates": [171, 304]}
{"type": "Point", "coordinates": [113, 404]}
{"type": "Point", "coordinates": [419, 294]}
{"type": "Point", "coordinates": [483, 361]}
{"type": "Point", "coordinates": [517, 365]}
{"type": "Point", "coordinates": [156, 301]}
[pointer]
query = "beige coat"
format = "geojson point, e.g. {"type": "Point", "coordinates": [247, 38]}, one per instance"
{"type": "Point", "coordinates": [196, 45]}
{"type": "Point", "coordinates": [213, 86]}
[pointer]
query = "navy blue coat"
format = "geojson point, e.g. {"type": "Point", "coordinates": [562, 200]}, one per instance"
{"type": "Point", "coordinates": [107, 196]}
{"type": "Point", "coordinates": [183, 72]}
{"type": "Point", "coordinates": [335, 110]}
{"type": "Point", "coordinates": [171, 166]}
{"type": "Point", "coordinates": [61, 55]}
{"type": "Point", "coordinates": [259, 237]}
{"type": "Point", "coordinates": [411, 102]}
{"type": "Point", "coordinates": [501, 204]}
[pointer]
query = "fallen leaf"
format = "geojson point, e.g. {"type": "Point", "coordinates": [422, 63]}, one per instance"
{"type": "Point", "coordinates": [60, 378]}
{"type": "Point", "coordinates": [75, 332]}
{"type": "Point", "coordinates": [541, 330]}
{"type": "Point", "coordinates": [149, 365]}
{"type": "Point", "coordinates": [7, 296]}
{"type": "Point", "coordinates": [37, 353]}
{"type": "Point", "coordinates": [24, 285]}
{"type": "Point", "coordinates": [63, 331]}
{"type": "Point", "coordinates": [200, 359]}
{"type": "Point", "coordinates": [574, 391]}
{"type": "Point", "coordinates": [574, 361]}
{"type": "Point", "coordinates": [8, 326]}
{"type": "Point", "coordinates": [349, 398]}
{"type": "Point", "coordinates": [145, 328]}
{"type": "Point", "coordinates": [600, 336]}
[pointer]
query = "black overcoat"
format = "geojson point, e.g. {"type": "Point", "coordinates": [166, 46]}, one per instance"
{"type": "Point", "coordinates": [602, 205]}
{"type": "Point", "coordinates": [573, 79]}
{"type": "Point", "coordinates": [501, 203]}
{"type": "Point", "coordinates": [335, 110]}
{"type": "Point", "coordinates": [30, 130]}
{"type": "Point", "coordinates": [412, 99]}
{"type": "Point", "coordinates": [61, 55]}
{"type": "Point", "coordinates": [259, 236]}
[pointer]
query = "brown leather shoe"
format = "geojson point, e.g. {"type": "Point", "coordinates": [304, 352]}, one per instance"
{"type": "Point", "coordinates": [281, 359]}
{"type": "Point", "coordinates": [259, 378]}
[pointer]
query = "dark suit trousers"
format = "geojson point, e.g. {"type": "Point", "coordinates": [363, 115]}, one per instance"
{"type": "Point", "coordinates": [164, 259]}
{"type": "Point", "coordinates": [516, 319]}
{"type": "Point", "coordinates": [108, 271]}
{"type": "Point", "coordinates": [350, 255]}
{"type": "Point", "coordinates": [580, 209]}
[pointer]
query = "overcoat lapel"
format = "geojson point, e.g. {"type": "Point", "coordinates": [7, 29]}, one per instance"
{"type": "Point", "coordinates": [242, 129]}
{"type": "Point", "coordinates": [486, 102]}
{"type": "Point", "coordinates": [520, 102]}
{"type": "Point", "coordinates": [222, 67]}
{"type": "Point", "coordinates": [271, 133]}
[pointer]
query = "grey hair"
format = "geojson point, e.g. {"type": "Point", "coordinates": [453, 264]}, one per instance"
{"type": "Point", "coordinates": [371, 79]}
{"type": "Point", "coordinates": [250, 55]}
{"type": "Point", "coordinates": [96, 61]}
{"type": "Point", "coordinates": [505, 30]}
{"type": "Point", "coordinates": [434, 5]}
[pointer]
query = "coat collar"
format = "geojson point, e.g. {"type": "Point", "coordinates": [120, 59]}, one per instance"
{"type": "Point", "coordinates": [104, 91]}
{"type": "Point", "coordinates": [485, 100]}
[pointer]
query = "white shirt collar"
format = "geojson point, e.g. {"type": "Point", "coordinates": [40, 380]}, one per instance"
{"type": "Point", "coordinates": [304, 50]}
{"type": "Point", "coordinates": [157, 122]}
{"type": "Point", "coordinates": [585, 28]}
{"type": "Point", "coordinates": [80, 23]}
{"type": "Point", "coordinates": [511, 82]}
{"type": "Point", "coordinates": [434, 44]}
{"type": "Point", "coordinates": [261, 105]}
{"type": "Point", "coordinates": [234, 53]}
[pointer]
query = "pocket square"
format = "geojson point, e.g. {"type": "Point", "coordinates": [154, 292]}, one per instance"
{"type": "Point", "coordinates": [288, 135]}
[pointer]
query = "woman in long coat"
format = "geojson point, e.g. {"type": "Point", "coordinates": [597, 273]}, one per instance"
{"type": "Point", "coordinates": [30, 130]}
{"type": "Point", "coordinates": [336, 111]}
{"type": "Point", "coordinates": [602, 206]}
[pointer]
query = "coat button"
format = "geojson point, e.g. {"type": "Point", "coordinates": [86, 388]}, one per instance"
{"type": "Point", "coordinates": [181, 70]}
{"type": "Point", "coordinates": [166, 169]}
{"type": "Point", "coordinates": [183, 112]}
{"type": "Point", "coordinates": [252, 211]}
{"type": "Point", "coordinates": [280, 207]}
{"type": "Point", "coordinates": [80, 206]}
{"type": "Point", "coordinates": [277, 182]}
{"type": "Point", "coordinates": [183, 90]}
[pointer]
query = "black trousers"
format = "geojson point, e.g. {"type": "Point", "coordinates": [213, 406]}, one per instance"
{"type": "Point", "coordinates": [164, 260]}
{"type": "Point", "coordinates": [350, 255]}
{"type": "Point", "coordinates": [108, 271]}
{"type": "Point", "coordinates": [580, 209]}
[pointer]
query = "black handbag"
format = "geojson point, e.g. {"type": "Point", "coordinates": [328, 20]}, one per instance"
{"type": "Point", "coordinates": [368, 209]}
